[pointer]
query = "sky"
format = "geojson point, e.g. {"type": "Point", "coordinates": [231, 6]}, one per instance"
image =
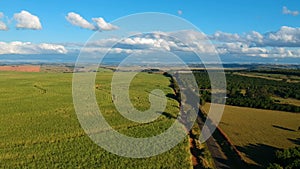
{"type": "Point", "coordinates": [268, 29]}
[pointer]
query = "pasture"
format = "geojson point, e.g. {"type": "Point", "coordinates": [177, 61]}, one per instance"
{"type": "Point", "coordinates": [258, 133]}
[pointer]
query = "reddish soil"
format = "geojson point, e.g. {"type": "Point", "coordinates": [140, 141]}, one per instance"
{"type": "Point", "coordinates": [21, 68]}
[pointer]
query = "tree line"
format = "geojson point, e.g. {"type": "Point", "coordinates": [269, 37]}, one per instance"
{"type": "Point", "coordinates": [251, 91]}
{"type": "Point", "coordinates": [286, 159]}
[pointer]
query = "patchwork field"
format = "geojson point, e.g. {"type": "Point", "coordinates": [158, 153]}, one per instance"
{"type": "Point", "coordinates": [25, 68]}
{"type": "Point", "coordinates": [257, 133]}
{"type": "Point", "coordinates": [39, 128]}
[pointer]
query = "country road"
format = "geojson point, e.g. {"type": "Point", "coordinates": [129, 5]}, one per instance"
{"type": "Point", "coordinates": [219, 157]}
{"type": "Point", "coordinates": [189, 100]}
{"type": "Point", "coordinates": [221, 161]}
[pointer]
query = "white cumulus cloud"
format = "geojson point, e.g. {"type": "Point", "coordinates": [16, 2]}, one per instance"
{"type": "Point", "coordinates": [26, 20]}
{"type": "Point", "coordinates": [284, 37]}
{"type": "Point", "coordinates": [282, 43]}
{"type": "Point", "coordinates": [286, 11]}
{"type": "Point", "coordinates": [225, 37]}
{"type": "Point", "coordinates": [77, 20]}
{"type": "Point", "coordinates": [103, 25]}
{"type": "Point", "coordinates": [18, 47]}
{"type": "Point", "coordinates": [3, 26]}
{"type": "Point", "coordinates": [99, 24]}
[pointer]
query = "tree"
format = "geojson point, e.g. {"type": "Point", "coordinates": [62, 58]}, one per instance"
{"type": "Point", "coordinates": [274, 166]}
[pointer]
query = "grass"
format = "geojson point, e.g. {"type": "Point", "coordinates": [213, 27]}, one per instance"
{"type": "Point", "coordinates": [287, 101]}
{"type": "Point", "coordinates": [39, 128]}
{"type": "Point", "coordinates": [257, 133]}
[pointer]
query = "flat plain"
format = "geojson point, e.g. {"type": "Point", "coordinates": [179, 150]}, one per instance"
{"type": "Point", "coordinates": [39, 127]}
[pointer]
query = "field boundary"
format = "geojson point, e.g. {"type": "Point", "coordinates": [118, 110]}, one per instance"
{"type": "Point", "coordinates": [194, 159]}
{"type": "Point", "coordinates": [219, 133]}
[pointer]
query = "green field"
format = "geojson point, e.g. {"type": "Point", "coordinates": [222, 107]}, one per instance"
{"type": "Point", "coordinates": [39, 128]}
{"type": "Point", "coordinates": [258, 133]}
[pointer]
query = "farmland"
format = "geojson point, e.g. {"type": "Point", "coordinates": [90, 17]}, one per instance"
{"type": "Point", "coordinates": [258, 133]}
{"type": "Point", "coordinates": [21, 68]}
{"type": "Point", "coordinates": [276, 77]}
{"type": "Point", "coordinates": [39, 127]}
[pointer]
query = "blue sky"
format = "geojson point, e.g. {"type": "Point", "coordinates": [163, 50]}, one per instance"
{"type": "Point", "coordinates": [232, 16]}
{"type": "Point", "coordinates": [211, 16]}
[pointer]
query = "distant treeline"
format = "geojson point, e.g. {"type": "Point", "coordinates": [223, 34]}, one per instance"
{"type": "Point", "coordinates": [288, 72]}
{"type": "Point", "coordinates": [252, 92]}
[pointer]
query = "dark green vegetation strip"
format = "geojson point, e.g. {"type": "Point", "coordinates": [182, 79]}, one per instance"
{"type": "Point", "coordinates": [288, 158]}
{"type": "Point", "coordinates": [252, 91]}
